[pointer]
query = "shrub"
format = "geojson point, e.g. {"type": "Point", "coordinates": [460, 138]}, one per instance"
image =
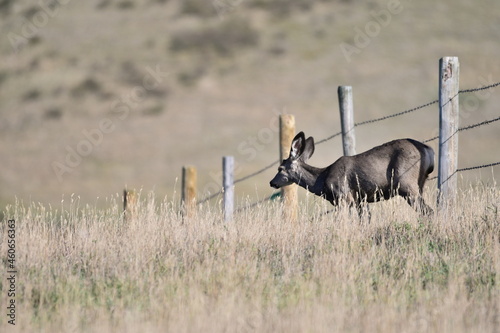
{"type": "Point", "coordinates": [282, 8]}
{"type": "Point", "coordinates": [223, 38]}
{"type": "Point", "coordinates": [202, 8]}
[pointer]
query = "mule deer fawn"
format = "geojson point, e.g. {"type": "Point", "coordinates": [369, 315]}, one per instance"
{"type": "Point", "coordinates": [399, 167]}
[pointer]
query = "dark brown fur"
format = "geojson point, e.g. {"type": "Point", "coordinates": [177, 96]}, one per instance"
{"type": "Point", "coordinates": [399, 167]}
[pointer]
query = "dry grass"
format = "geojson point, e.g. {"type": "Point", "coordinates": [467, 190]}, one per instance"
{"type": "Point", "coordinates": [85, 270]}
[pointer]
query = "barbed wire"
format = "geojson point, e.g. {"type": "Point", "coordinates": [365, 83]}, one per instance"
{"type": "Point", "coordinates": [493, 85]}
{"type": "Point", "coordinates": [396, 114]}
{"type": "Point", "coordinates": [339, 133]}
{"type": "Point", "coordinates": [375, 120]}
{"type": "Point", "coordinates": [210, 197]}
{"type": "Point", "coordinates": [465, 128]}
{"type": "Point", "coordinates": [464, 91]}
{"type": "Point", "coordinates": [257, 203]}
{"type": "Point", "coordinates": [478, 167]}
{"type": "Point", "coordinates": [478, 124]}
{"type": "Point", "coordinates": [256, 172]}
{"type": "Point", "coordinates": [371, 121]}
{"type": "Point", "coordinates": [328, 138]}
{"type": "Point", "coordinates": [467, 169]}
{"type": "Point", "coordinates": [431, 139]}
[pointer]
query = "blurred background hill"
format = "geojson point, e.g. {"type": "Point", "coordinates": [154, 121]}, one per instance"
{"type": "Point", "coordinates": [103, 94]}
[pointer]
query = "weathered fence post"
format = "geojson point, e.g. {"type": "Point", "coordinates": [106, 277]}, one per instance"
{"type": "Point", "coordinates": [347, 120]}
{"type": "Point", "coordinates": [188, 195]}
{"type": "Point", "coordinates": [130, 202]}
{"type": "Point", "coordinates": [289, 193]}
{"type": "Point", "coordinates": [228, 186]}
{"type": "Point", "coordinates": [448, 130]}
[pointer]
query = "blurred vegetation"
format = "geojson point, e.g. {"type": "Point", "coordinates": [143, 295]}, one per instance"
{"type": "Point", "coordinates": [5, 6]}
{"type": "Point", "coordinates": [197, 7]}
{"type": "Point", "coordinates": [282, 8]}
{"type": "Point", "coordinates": [223, 39]}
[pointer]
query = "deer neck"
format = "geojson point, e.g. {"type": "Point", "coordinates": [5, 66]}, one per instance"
{"type": "Point", "coordinates": [312, 179]}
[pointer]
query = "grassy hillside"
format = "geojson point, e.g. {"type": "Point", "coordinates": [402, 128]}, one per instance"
{"type": "Point", "coordinates": [141, 88]}
{"type": "Point", "coordinates": [83, 269]}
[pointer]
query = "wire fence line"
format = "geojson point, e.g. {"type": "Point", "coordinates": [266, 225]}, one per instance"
{"type": "Point", "coordinates": [255, 204]}
{"type": "Point", "coordinates": [493, 85]}
{"type": "Point", "coordinates": [465, 128]}
{"type": "Point", "coordinates": [467, 169]}
{"type": "Point", "coordinates": [396, 114]}
{"type": "Point", "coordinates": [371, 121]}
{"type": "Point", "coordinates": [478, 124]}
{"type": "Point", "coordinates": [210, 197]}
{"type": "Point", "coordinates": [471, 168]}
{"type": "Point", "coordinates": [375, 120]}
{"type": "Point", "coordinates": [478, 167]}
{"type": "Point", "coordinates": [465, 91]}
{"type": "Point", "coordinates": [258, 172]}
{"type": "Point", "coordinates": [431, 139]}
{"type": "Point", "coordinates": [328, 138]}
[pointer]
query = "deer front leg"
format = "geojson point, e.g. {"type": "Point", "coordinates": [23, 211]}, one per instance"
{"type": "Point", "coordinates": [363, 210]}
{"type": "Point", "coordinates": [419, 205]}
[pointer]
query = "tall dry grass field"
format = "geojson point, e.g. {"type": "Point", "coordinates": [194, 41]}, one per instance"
{"type": "Point", "coordinates": [85, 270]}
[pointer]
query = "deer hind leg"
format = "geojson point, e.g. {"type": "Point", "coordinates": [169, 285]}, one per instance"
{"type": "Point", "coordinates": [423, 208]}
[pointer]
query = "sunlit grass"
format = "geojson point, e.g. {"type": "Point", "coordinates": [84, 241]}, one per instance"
{"type": "Point", "coordinates": [86, 270]}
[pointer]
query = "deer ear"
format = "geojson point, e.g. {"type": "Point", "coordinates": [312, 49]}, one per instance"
{"type": "Point", "coordinates": [298, 145]}
{"type": "Point", "coordinates": [308, 149]}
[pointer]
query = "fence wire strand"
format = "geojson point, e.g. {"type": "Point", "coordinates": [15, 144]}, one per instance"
{"type": "Point", "coordinates": [371, 121]}
{"type": "Point", "coordinates": [493, 85]}
{"type": "Point", "coordinates": [258, 172]}
{"type": "Point", "coordinates": [465, 128]}
{"type": "Point", "coordinates": [469, 168]}
{"type": "Point", "coordinates": [255, 204]}
{"type": "Point", "coordinates": [478, 167]}
{"type": "Point", "coordinates": [328, 138]}
{"type": "Point", "coordinates": [396, 114]}
{"type": "Point", "coordinates": [210, 197]}
{"type": "Point", "coordinates": [431, 139]}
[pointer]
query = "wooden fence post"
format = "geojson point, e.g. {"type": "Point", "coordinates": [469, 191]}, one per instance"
{"type": "Point", "coordinates": [130, 202]}
{"type": "Point", "coordinates": [289, 193]}
{"type": "Point", "coordinates": [448, 130]}
{"type": "Point", "coordinates": [188, 196]}
{"type": "Point", "coordinates": [347, 120]}
{"type": "Point", "coordinates": [228, 186]}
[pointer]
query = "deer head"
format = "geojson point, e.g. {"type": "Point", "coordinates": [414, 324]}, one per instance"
{"type": "Point", "coordinates": [290, 170]}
